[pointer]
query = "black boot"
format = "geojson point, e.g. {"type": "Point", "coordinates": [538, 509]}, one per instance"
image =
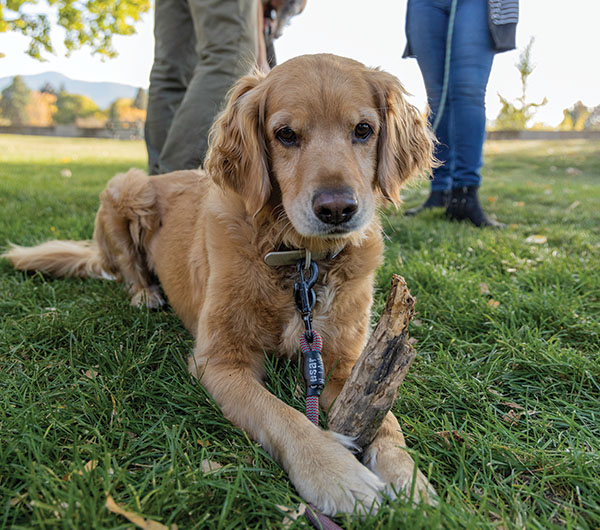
{"type": "Point", "coordinates": [436, 199]}
{"type": "Point", "coordinates": [464, 205]}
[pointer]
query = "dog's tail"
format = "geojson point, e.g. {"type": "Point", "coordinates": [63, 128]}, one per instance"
{"type": "Point", "coordinates": [60, 258]}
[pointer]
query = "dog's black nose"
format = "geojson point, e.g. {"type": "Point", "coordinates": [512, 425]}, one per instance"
{"type": "Point", "coordinates": [334, 206]}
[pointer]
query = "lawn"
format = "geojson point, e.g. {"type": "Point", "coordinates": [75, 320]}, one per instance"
{"type": "Point", "coordinates": [501, 408]}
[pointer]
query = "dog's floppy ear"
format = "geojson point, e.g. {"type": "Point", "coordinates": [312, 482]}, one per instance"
{"type": "Point", "coordinates": [405, 141]}
{"type": "Point", "coordinates": [237, 154]}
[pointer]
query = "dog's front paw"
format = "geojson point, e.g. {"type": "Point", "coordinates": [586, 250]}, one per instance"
{"type": "Point", "coordinates": [397, 469]}
{"type": "Point", "coordinates": [331, 478]}
{"type": "Point", "coordinates": [147, 296]}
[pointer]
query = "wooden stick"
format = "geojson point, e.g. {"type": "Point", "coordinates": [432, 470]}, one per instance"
{"type": "Point", "coordinates": [372, 387]}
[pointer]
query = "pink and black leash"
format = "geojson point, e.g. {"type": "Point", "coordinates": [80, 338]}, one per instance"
{"type": "Point", "coordinates": [311, 346]}
{"type": "Point", "coordinates": [314, 375]}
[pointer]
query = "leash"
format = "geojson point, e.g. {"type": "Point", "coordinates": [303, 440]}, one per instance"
{"type": "Point", "coordinates": [311, 345]}
{"type": "Point", "coordinates": [447, 58]}
{"type": "Point", "coordinates": [313, 374]}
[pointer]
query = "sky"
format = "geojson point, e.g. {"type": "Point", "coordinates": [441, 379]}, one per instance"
{"type": "Point", "coordinates": [565, 52]}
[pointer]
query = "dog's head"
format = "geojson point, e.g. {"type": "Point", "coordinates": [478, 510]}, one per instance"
{"type": "Point", "coordinates": [324, 135]}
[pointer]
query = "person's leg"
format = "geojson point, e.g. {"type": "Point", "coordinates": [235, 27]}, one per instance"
{"type": "Point", "coordinates": [226, 49]}
{"type": "Point", "coordinates": [427, 25]}
{"type": "Point", "coordinates": [470, 66]}
{"type": "Point", "coordinates": [174, 60]}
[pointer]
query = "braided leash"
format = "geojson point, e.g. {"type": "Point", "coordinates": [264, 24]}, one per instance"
{"type": "Point", "coordinates": [311, 345]}
{"type": "Point", "coordinates": [312, 409]}
{"type": "Point", "coordinates": [313, 373]}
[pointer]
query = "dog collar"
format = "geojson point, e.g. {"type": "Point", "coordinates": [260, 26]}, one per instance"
{"type": "Point", "coordinates": [281, 258]}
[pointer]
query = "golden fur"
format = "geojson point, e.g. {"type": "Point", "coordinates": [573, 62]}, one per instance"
{"type": "Point", "coordinates": [204, 234]}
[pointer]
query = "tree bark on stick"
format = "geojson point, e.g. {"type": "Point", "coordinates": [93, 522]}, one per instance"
{"type": "Point", "coordinates": [372, 387]}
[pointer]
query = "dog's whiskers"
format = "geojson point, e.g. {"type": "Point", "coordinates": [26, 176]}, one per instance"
{"type": "Point", "coordinates": [284, 231]}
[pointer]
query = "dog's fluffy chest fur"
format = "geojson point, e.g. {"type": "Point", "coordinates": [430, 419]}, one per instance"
{"type": "Point", "coordinates": [232, 288]}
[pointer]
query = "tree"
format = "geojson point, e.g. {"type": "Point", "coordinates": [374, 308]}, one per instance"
{"type": "Point", "coordinates": [69, 107]}
{"type": "Point", "coordinates": [86, 23]}
{"type": "Point", "coordinates": [14, 101]}
{"type": "Point", "coordinates": [41, 109]}
{"type": "Point", "coordinates": [124, 110]}
{"type": "Point", "coordinates": [574, 119]}
{"type": "Point", "coordinates": [48, 88]}
{"type": "Point", "coordinates": [516, 117]}
{"type": "Point", "coordinates": [593, 120]}
{"type": "Point", "coordinates": [141, 99]}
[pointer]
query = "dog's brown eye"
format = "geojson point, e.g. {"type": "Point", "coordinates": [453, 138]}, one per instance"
{"type": "Point", "coordinates": [362, 132]}
{"type": "Point", "coordinates": [286, 136]}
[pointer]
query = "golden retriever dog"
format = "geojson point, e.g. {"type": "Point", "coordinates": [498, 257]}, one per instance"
{"type": "Point", "coordinates": [299, 159]}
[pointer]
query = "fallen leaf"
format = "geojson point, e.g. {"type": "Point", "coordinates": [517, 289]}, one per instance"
{"type": "Point", "coordinates": [513, 416]}
{"type": "Point", "coordinates": [520, 204]}
{"type": "Point", "coordinates": [135, 518]}
{"type": "Point", "coordinates": [90, 374]}
{"type": "Point", "coordinates": [16, 500]}
{"type": "Point", "coordinates": [203, 443]}
{"type": "Point", "coordinates": [537, 239]}
{"type": "Point", "coordinates": [412, 341]}
{"type": "Point", "coordinates": [291, 515]}
{"type": "Point", "coordinates": [572, 206]}
{"type": "Point", "coordinates": [492, 199]}
{"type": "Point", "coordinates": [417, 323]}
{"type": "Point", "coordinates": [89, 466]}
{"type": "Point", "coordinates": [483, 288]}
{"type": "Point", "coordinates": [207, 466]}
{"type": "Point", "coordinates": [493, 303]}
{"type": "Point", "coordinates": [457, 436]}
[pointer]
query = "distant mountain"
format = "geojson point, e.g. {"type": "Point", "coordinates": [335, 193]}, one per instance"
{"type": "Point", "coordinates": [103, 94]}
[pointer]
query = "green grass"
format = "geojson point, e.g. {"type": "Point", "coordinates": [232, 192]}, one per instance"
{"type": "Point", "coordinates": [508, 335]}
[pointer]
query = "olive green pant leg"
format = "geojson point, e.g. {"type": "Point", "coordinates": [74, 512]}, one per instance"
{"type": "Point", "coordinates": [226, 48]}
{"type": "Point", "coordinates": [172, 70]}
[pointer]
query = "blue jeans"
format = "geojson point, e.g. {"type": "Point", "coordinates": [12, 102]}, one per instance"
{"type": "Point", "coordinates": [461, 130]}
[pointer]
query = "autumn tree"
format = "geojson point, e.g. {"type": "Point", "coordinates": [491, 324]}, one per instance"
{"type": "Point", "coordinates": [574, 119]}
{"type": "Point", "coordinates": [90, 23]}
{"type": "Point", "coordinates": [516, 116]}
{"type": "Point", "coordinates": [41, 109]}
{"type": "Point", "coordinates": [15, 98]}
{"type": "Point", "coordinates": [69, 107]}
{"type": "Point", "coordinates": [124, 110]}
